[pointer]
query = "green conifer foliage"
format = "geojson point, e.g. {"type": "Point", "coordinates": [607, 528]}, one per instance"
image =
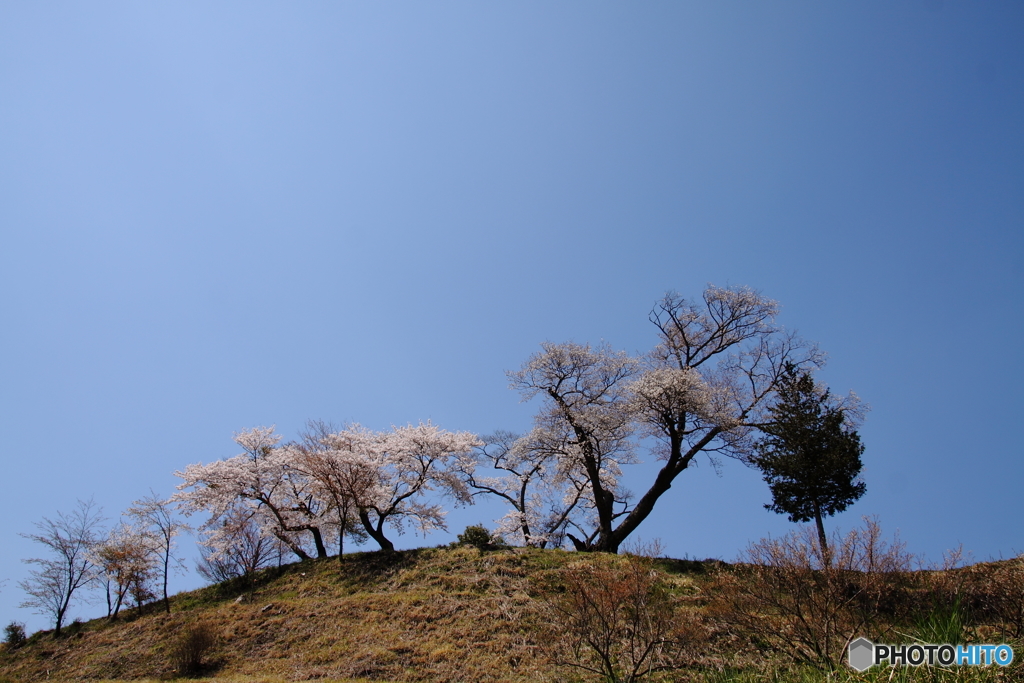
{"type": "Point", "coordinates": [810, 456]}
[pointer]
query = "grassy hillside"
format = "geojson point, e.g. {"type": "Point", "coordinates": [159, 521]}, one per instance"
{"type": "Point", "coordinates": [429, 614]}
{"type": "Point", "coordinates": [455, 614]}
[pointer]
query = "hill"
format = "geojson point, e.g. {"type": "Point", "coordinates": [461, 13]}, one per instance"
{"type": "Point", "coordinates": [432, 614]}
{"type": "Point", "coordinates": [419, 615]}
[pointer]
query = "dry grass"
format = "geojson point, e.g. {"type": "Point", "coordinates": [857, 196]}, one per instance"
{"type": "Point", "coordinates": [424, 615]}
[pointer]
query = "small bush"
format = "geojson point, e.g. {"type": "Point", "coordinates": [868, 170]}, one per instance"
{"type": "Point", "coordinates": [788, 598]}
{"type": "Point", "coordinates": [995, 595]}
{"type": "Point", "coordinates": [14, 635]}
{"type": "Point", "coordinates": [189, 652]}
{"type": "Point", "coordinates": [74, 628]}
{"type": "Point", "coordinates": [613, 617]}
{"type": "Point", "coordinates": [478, 536]}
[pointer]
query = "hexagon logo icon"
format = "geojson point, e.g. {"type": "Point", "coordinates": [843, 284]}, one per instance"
{"type": "Point", "coordinates": [862, 654]}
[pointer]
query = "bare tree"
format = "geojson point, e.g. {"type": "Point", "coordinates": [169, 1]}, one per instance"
{"type": "Point", "coordinates": [703, 389]}
{"type": "Point", "coordinates": [156, 515]}
{"type": "Point", "coordinates": [69, 539]}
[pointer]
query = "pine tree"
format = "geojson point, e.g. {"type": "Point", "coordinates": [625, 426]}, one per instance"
{"type": "Point", "coordinates": [809, 456]}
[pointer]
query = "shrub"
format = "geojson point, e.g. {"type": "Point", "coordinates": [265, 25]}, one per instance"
{"type": "Point", "coordinates": [14, 635]}
{"type": "Point", "coordinates": [990, 593]}
{"type": "Point", "coordinates": [478, 536]}
{"type": "Point", "coordinates": [614, 617]}
{"type": "Point", "coordinates": [75, 627]}
{"type": "Point", "coordinates": [1003, 591]}
{"type": "Point", "coordinates": [789, 599]}
{"type": "Point", "coordinates": [190, 650]}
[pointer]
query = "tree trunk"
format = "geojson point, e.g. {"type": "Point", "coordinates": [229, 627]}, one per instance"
{"type": "Point", "coordinates": [318, 540]}
{"type": "Point", "coordinates": [677, 462]}
{"type": "Point", "coordinates": [826, 557]}
{"type": "Point", "coordinates": [299, 552]}
{"type": "Point", "coordinates": [341, 538]}
{"type": "Point", "coordinates": [167, 562]}
{"type": "Point", "coordinates": [376, 533]}
{"type": "Point", "coordinates": [580, 546]}
{"type": "Point", "coordinates": [117, 605]}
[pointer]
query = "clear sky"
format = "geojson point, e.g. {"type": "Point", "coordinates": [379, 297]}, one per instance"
{"type": "Point", "coordinates": [222, 215]}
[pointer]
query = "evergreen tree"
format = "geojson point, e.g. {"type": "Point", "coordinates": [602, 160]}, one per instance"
{"type": "Point", "coordinates": [809, 456]}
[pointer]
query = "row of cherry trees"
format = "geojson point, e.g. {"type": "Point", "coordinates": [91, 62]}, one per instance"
{"type": "Point", "coordinates": [707, 387]}
{"type": "Point", "coordinates": [310, 494]}
{"type": "Point", "coordinates": [710, 386]}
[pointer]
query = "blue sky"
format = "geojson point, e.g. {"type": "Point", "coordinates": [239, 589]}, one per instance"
{"type": "Point", "coordinates": [221, 216]}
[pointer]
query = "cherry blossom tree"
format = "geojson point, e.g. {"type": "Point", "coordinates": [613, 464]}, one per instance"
{"type": "Point", "coordinates": [586, 398]}
{"type": "Point", "coordinates": [265, 476]}
{"type": "Point", "coordinates": [329, 481]}
{"type": "Point", "coordinates": [236, 546]}
{"type": "Point", "coordinates": [339, 477]}
{"type": "Point", "coordinates": [546, 495]}
{"type": "Point", "coordinates": [703, 389]}
{"type": "Point", "coordinates": [385, 476]}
